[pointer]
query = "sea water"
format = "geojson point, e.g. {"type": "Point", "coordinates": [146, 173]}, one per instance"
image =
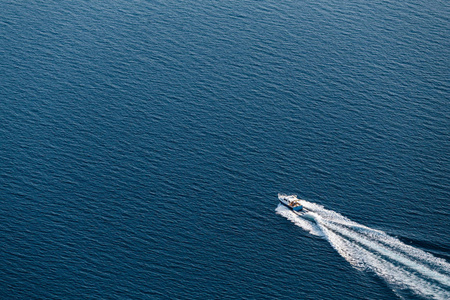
{"type": "Point", "coordinates": [143, 145]}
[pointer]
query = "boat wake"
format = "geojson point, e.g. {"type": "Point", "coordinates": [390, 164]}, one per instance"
{"type": "Point", "coordinates": [405, 268]}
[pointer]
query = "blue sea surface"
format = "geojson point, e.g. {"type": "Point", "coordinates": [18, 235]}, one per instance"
{"type": "Point", "coordinates": [143, 144]}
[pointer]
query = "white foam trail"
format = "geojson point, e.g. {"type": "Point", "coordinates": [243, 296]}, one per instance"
{"type": "Point", "coordinates": [403, 267]}
{"type": "Point", "coordinates": [392, 254]}
{"type": "Point", "coordinates": [291, 216]}
{"type": "Point", "coordinates": [414, 253]}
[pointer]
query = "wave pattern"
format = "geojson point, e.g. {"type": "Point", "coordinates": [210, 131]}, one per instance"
{"type": "Point", "coordinates": [403, 267]}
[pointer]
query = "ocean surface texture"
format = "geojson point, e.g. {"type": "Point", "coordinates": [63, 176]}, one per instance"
{"type": "Point", "coordinates": [143, 145]}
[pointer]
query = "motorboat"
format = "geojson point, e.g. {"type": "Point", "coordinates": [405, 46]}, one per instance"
{"type": "Point", "coordinates": [291, 202]}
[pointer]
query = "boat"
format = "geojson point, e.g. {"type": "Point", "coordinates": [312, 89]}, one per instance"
{"type": "Point", "coordinates": [291, 202]}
